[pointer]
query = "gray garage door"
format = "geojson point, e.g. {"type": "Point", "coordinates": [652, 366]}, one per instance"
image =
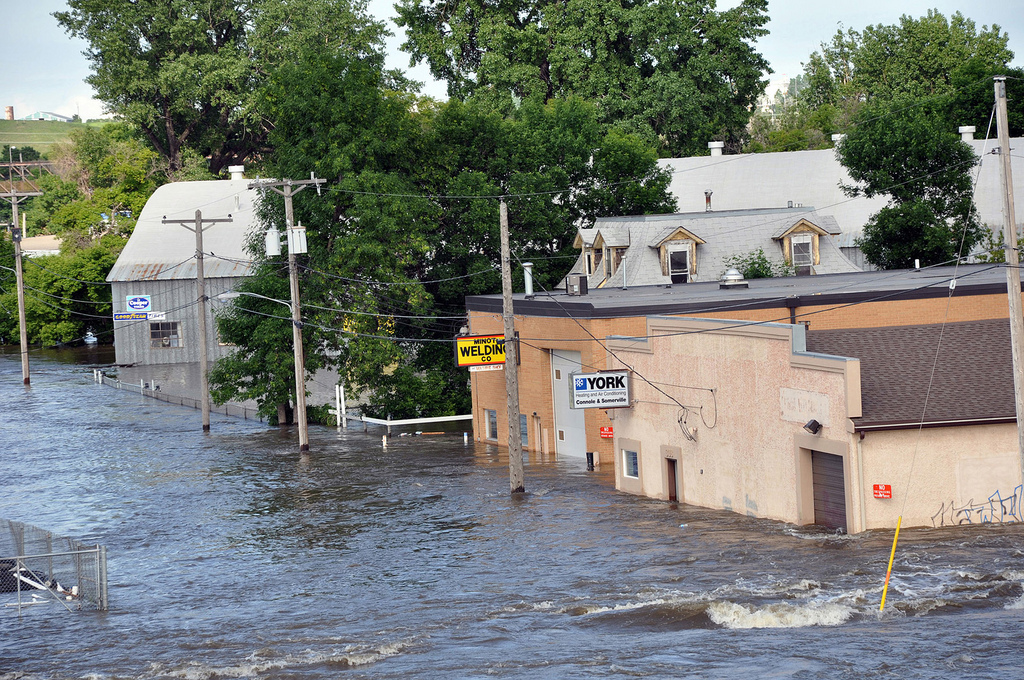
{"type": "Point", "coordinates": [829, 490]}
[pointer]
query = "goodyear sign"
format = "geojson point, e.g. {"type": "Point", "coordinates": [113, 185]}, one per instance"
{"type": "Point", "coordinates": [479, 350]}
{"type": "Point", "coordinates": [130, 316]}
{"type": "Point", "coordinates": [608, 389]}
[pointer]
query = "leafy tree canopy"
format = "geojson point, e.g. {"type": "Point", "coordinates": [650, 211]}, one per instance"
{"type": "Point", "coordinates": [186, 73]}
{"type": "Point", "coordinates": [949, 61]}
{"type": "Point", "coordinates": [677, 70]}
{"type": "Point", "coordinates": [409, 223]}
{"type": "Point", "coordinates": [911, 155]}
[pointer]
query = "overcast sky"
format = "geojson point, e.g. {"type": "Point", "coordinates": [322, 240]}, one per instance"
{"type": "Point", "coordinates": [45, 69]}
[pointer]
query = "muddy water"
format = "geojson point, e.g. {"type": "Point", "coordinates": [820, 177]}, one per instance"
{"type": "Point", "coordinates": [231, 558]}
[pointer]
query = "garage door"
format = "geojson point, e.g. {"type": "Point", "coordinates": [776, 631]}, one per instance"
{"type": "Point", "coordinates": [829, 490]}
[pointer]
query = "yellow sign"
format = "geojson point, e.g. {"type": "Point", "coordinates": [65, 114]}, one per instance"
{"type": "Point", "coordinates": [479, 350]}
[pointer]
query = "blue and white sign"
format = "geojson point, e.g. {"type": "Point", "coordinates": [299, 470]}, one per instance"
{"type": "Point", "coordinates": [139, 303]}
{"type": "Point", "coordinates": [608, 389]}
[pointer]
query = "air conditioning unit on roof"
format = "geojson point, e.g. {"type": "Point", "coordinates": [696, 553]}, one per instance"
{"type": "Point", "coordinates": [576, 284]}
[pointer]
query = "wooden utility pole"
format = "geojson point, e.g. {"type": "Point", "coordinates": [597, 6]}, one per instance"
{"type": "Point", "coordinates": [1012, 263]}
{"type": "Point", "coordinates": [515, 438]}
{"type": "Point", "coordinates": [289, 188]}
{"type": "Point", "coordinates": [204, 387]}
{"type": "Point", "coordinates": [11, 194]}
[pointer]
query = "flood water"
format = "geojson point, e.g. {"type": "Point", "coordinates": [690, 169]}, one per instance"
{"type": "Point", "coordinates": [231, 558]}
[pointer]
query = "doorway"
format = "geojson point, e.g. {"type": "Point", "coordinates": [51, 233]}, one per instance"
{"type": "Point", "coordinates": [570, 431]}
{"type": "Point", "coordinates": [672, 477]}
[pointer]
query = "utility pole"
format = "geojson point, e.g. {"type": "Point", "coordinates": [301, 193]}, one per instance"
{"type": "Point", "coordinates": [11, 194]}
{"type": "Point", "coordinates": [296, 245]}
{"type": "Point", "coordinates": [204, 387]}
{"type": "Point", "coordinates": [1012, 262]}
{"type": "Point", "coordinates": [515, 439]}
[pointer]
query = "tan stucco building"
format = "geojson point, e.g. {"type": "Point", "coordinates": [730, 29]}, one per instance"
{"type": "Point", "coordinates": [720, 404]}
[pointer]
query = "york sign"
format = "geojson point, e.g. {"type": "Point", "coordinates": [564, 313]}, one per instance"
{"type": "Point", "coordinates": [608, 389]}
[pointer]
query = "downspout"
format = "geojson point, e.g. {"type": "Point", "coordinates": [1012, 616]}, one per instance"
{"type": "Point", "coordinates": [860, 481]}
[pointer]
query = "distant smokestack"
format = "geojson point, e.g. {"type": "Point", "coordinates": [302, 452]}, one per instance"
{"type": "Point", "coordinates": [966, 132]}
{"type": "Point", "coordinates": [8, 113]}
{"type": "Point", "coordinates": [716, 148]}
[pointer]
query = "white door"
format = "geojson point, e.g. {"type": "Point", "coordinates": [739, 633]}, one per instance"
{"type": "Point", "coordinates": [570, 431]}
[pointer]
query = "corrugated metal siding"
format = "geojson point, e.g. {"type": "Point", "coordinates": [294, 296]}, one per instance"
{"type": "Point", "coordinates": [178, 299]}
{"type": "Point", "coordinates": [166, 251]}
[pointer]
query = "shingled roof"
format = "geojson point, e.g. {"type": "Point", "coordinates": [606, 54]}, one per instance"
{"type": "Point", "coordinates": [972, 381]}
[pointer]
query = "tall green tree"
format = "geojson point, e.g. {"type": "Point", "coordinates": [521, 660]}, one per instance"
{"type": "Point", "coordinates": [185, 72]}
{"type": "Point", "coordinates": [409, 223]}
{"type": "Point", "coordinates": [910, 154]}
{"type": "Point", "coordinates": [679, 71]}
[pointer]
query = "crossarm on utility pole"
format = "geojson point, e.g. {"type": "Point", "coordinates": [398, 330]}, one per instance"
{"type": "Point", "coordinates": [199, 225]}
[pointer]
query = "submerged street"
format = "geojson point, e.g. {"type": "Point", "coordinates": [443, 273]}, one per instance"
{"type": "Point", "coordinates": [229, 557]}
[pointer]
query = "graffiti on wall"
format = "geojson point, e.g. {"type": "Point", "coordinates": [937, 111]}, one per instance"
{"type": "Point", "coordinates": [996, 509]}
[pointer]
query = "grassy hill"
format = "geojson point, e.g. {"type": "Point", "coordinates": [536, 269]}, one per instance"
{"type": "Point", "coordinates": [39, 134]}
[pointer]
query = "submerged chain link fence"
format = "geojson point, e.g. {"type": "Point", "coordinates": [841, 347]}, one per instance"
{"type": "Point", "coordinates": [146, 390]}
{"type": "Point", "coordinates": [39, 567]}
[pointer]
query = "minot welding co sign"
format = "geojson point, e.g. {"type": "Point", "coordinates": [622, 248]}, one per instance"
{"type": "Point", "coordinates": [608, 389]}
{"type": "Point", "coordinates": [479, 350]}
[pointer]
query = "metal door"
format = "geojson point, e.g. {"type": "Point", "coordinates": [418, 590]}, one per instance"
{"type": "Point", "coordinates": [570, 432]}
{"type": "Point", "coordinates": [829, 490]}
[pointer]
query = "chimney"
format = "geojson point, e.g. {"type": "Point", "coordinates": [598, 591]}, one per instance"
{"type": "Point", "coordinates": [707, 200]}
{"type": "Point", "coordinates": [8, 113]}
{"type": "Point", "coordinates": [966, 132]}
{"type": "Point", "coordinates": [716, 148]}
{"type": "Point", "coordinates": [236, 171]}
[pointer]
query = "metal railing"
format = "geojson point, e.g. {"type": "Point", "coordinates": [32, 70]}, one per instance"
{"type": "Point", "coordinates": [39, 567]}
{"type": "Point", "coordinates": [143, 388]}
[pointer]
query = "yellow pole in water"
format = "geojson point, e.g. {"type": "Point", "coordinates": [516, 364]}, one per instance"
{"type": "Point", "coordinates": [892, 555]}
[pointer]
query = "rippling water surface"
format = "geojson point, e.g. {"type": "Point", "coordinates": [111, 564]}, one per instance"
{"type": "Point", "coordinates": [231, 558]}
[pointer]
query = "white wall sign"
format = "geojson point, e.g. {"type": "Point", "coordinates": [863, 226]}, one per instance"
{"type": "Point", "coordinates": [139, 303]}
{"type": "Point", "coordinates": [799, 406]}
{"type": "Point", "coordinates": [608, 389]}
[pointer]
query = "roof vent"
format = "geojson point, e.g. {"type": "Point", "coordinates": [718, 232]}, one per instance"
{"type": "Point", "coordinates": [716, 148]}
{"type": "Point", "coordinates": [966, 132]}
{"type": "Point", "coordinates": [732, 279]}
{"type": "Point", "coordinates": [236, 171]}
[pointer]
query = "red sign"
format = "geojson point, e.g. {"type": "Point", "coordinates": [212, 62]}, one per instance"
{"type": "Point", "coordinates": [883, 491]}
{"type": "Point", "coordinates": [607, 433]}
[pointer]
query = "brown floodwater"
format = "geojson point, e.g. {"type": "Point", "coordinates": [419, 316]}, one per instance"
{"type": "Point", "coordinates": [229, 557]}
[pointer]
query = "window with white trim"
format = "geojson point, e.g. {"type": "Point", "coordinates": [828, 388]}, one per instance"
{"type": "Point", "coordinates": [630, 464]}
{"type": "Point", "coordinates": [803, 254]}
{"type": "Point", "coordinates": [492, 423]}
{"type": "Point", "coordinates": [164, 334]}
{"type": "Point", "coordinates": [678, 262]}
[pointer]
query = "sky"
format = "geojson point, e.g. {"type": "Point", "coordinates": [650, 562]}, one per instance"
{"type": "Point", "coordinates": [45, 69]}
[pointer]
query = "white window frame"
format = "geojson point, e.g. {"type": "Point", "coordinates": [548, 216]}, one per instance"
{"type": "Point", "coordinates": [165, 335]}
{"type": "Point", "coordinates": [491, 419]}
{"type": "Point", "coordinates": [628, 458]}
{"type": "Point", "coordinates": [678, 248]}
{"type": "Point", "coordinates": [806, 261]}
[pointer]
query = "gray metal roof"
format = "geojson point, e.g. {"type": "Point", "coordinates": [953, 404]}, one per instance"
{"type": "Point", "coordinates": [727, 234]}
{"type": "Point", "coordinates": [158, 251]}
{"type": "Point", "coordinates": [812, 178]}
{"type": "Point", "coordinates": [700, 298]}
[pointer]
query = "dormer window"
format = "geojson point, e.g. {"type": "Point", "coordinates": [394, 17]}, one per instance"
{"type": "Point", "coordinates": [802, 255]}
{"type": "Point", "coordinates": [678, 262]}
